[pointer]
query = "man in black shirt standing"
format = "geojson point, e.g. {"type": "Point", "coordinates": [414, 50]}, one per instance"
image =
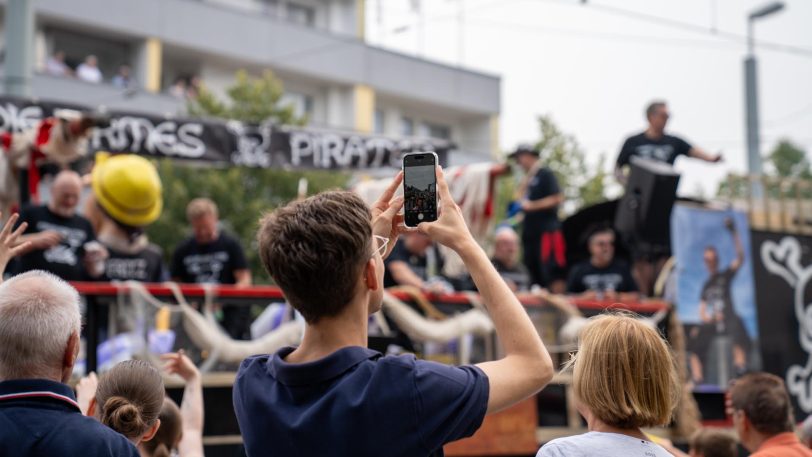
{"type": "Point", "coordinates": [506, 260]}
{"type": "Point", "coordinates": [61, 240]}
{"type": "Point", "coordinates": [655, 144]}
{"type": "Point", "coordinates": [542, 241]}
{"type": "Point", "coordinates": [213, 257]}
{"type": "Point", "coordinates": [602, 277]}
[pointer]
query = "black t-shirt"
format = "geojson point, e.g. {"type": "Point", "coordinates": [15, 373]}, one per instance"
{"type": "Point", "coordinates": [664, 149]}
{"type": "Point", "coordinates": [716, 292]}
{"type": "Point", "coordinates": [64, 259]}
{"type": "Point", "coordinates": [144, 266]}
{"type": "Point", "coordinates": [517, 274]}
{"type": "Point", "coordinates": [543, 184]}
{"type": "Point", "coordinates": [211, 263]}
{"type": "Point", "coordinates": [425, 266]}
{"type": "Point", "coordinates": [614, 277]}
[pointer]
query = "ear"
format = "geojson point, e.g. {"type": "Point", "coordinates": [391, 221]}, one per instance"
{"type": "Point", "coordinates": [91, 408]}
{"type": "Point", "coordinates": [370, 275]}
{"type": "Point", "coordinates": [70, 356]}
{"type": "Point", "coordinates": [150, 433]}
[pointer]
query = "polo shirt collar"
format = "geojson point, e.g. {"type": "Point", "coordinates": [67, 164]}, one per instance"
{"type": "Point", "coordinates": [782, 439]}
{"type": "Point", "coordinates": [23, 389]}
{"type": "Point", "coordinates": [299, 374]}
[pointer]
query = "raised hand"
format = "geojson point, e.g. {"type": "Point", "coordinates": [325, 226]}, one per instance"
{"type": "Point", "coordinates": [178, 363]}
{"type": "Point", "coordinates": [386, 221]}
{"type": "Point", "coordinates": [9, 242]}
{"type": "Point", "coordinates": [449, 229]}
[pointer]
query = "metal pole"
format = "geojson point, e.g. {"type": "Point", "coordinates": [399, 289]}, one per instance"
{"type": "Point", "coordinates": [751, 120]}
{"type": "Point", "coordinates": [19, 44]}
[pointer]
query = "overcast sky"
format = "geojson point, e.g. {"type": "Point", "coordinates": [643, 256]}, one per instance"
{"type": "Point", "coordinates": [594, 67]}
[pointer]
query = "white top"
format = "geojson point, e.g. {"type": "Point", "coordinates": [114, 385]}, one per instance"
{"type": "Point", "coordinates": [601, 444]}
{"type": "Point", "coordinates": [87, 73]}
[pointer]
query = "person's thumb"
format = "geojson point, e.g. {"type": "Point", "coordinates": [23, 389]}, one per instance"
{"type": "Point", "coordinates": [425, 227]}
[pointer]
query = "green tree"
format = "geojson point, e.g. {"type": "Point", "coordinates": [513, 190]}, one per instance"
{"type": "Point", "coordinates": [786, 160]}
{"type": "Point", "coordinates": [561, 152]}
{"type": "Point", "coordinates": [789, 161]}
{"type": "Point", "coordinates": [242, 194]}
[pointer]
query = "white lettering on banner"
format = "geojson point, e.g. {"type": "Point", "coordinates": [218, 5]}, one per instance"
{"type": "Point", "coordinates": [16, 119]}
{"type": "Point", "coordinates": [329, 150]}
{"type": "Point", "coordinates": [784, 259]}
{"type": "Point", "coordinates": [130, 133]}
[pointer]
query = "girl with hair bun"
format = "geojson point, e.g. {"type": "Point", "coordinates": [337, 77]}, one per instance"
{"type": "Point", "coordinates": [129, 399]}
{"type": "Point", "coordinates": [133, 403]}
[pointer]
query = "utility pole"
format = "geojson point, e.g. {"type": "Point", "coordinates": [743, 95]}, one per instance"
{"type": "Point", "coordinates": [754, 166]}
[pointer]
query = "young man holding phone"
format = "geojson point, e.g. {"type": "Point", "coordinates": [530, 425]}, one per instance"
{"type": "Point", "coordinates": [332, 395]}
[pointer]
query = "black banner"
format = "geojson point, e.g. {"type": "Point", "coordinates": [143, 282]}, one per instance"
{"type": "Point", "coordinates": [230, 142]}
{"type": "Point", "coordinates": [782, 270]}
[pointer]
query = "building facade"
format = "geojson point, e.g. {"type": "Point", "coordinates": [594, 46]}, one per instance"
{"type": "Point", "coordinates": [316, 47]}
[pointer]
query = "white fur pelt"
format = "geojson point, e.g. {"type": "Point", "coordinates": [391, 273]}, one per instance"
{"type": "Point", "coordinates": [421, 329]}
{"type": "Point", "coordinates": [61, 148]}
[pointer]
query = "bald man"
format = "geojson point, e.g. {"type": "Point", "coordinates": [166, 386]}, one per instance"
{"type": "Point", "coordinates": [506, 260]}
{"type": "Point", "coordinates": [59, 237]}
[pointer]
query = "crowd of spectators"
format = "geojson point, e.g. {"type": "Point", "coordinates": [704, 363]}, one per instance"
{"type": "Point", "coordinates": [88, 70]}
{"type": "Point", "coordinates": [333, 396]}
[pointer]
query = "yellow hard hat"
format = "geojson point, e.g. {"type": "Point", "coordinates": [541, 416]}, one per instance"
{"type": "Point", "coordinates": [128, 188]}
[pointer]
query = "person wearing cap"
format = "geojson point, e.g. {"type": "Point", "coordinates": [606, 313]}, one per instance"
{"type": "Point", "coordinates": [542, 241]}
{"type": "Point", "coordinates": [61, 241]}
{"type": "Point", "coordinates": [127, 191]}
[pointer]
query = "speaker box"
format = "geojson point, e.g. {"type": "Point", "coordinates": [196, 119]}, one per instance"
{"type": "Point", "coordinates": [643, 217]}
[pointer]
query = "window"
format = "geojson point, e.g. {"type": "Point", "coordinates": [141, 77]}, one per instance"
{"type": "Point", "coordinates": [301, 14]}
{"type": "Point", "coordinates": [433, 130]}
{"type": "Point", "coordinates": [378, 126]}
{"type": "Point", "coordinates": [406, 126]}
{"type": "Point", "coordinates": [302, 103]}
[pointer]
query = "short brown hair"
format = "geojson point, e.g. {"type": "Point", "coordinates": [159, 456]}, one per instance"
{"type": "Point", "coordinates": [625, 373]}
{"type": "Point", "coordinates": [653, 107]}
{"type": "Point", "coordinates": [315, 249]}
{"type": "Point", "coordinates": [129, 397]}
{"type": "Point", "coordinates": [765, 401]}
{"type": "Point", "coordinates": [200, 207]}
{"type": "Point", "coordinates": [713, 443]}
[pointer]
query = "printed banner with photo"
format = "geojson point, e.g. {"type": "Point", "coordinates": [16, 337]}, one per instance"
{"type": "Point", "coordinates": [783, 271]}
{"type": "Point", "coordinates": [715, 293]}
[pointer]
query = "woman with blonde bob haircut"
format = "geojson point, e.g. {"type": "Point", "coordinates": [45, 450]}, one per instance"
{"type": "Point", "coordinates": [624, 378]}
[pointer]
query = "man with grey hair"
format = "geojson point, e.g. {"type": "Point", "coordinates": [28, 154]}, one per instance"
{"type": "Point", "coordinates": [39, 344]}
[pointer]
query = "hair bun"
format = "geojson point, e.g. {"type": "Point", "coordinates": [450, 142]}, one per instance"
{"type": "Point", "coordinates": [122, 416]}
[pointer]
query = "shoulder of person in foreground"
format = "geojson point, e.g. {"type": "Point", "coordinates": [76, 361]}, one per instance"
{"type": "Point", "coordinates": [561, 447]}
{"type": "Point", "coordinates": [95, 439]}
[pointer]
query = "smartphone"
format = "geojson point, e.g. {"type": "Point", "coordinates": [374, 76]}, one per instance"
{"type": "Point", "coordinates": [419, 188]}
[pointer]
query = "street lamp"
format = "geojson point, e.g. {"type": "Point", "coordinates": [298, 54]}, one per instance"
{"type": "Point", "coordinates": [751, 93]}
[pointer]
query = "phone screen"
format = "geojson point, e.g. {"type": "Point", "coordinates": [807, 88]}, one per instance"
{"type": "Point", "coordinates": [419, 188]}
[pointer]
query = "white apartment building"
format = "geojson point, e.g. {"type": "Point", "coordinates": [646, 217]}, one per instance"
{"type": "Point", "coordinates": [316, 47]}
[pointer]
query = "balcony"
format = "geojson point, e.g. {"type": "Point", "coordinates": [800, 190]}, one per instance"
{"type": "Point", "coordinates": [71, 90]}
{"type": "Point", "coordinates": [255, 41]}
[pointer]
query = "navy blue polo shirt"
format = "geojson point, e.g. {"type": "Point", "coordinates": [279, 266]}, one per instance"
{"type": "Point", "coordinates": [356, 402]}
{"type": "Point", "coordinates": [40, 418]}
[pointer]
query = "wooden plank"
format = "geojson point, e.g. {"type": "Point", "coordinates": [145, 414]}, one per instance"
{"type": "Point", "coordinates": [508, 432]}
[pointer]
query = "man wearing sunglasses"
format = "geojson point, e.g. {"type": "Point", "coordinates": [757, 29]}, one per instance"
{"type": "Point", "coordinates": [655, 144]}
{"type": "Point", "coordinates": [602, 277]}
{"type": "Point", "coordinates": [332, 395]}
